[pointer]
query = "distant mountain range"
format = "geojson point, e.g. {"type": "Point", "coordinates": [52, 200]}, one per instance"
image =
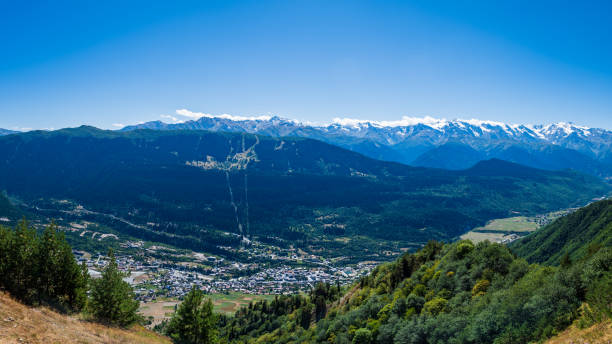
{"type": "Point", "coordinates": [193, 184]}
{"type": "Point", "coordinates": [429, 142]}
{"type": "Point", "coordinates": [6, 132]}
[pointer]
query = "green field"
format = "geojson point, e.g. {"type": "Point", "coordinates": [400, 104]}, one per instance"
{"type": "Point", "coordinates": [510, 224]}
{"type": "Point", "coordinates": [479, 236]}
{"type": "Point", "coordinates": [499, 229]}
{"type": "Point", "coordinates": [230, 303]}
{"type": "Point", "coordinates": [223, 303]}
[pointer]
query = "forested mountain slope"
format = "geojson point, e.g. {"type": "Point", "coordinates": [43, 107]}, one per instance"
{"type": "Point", "coordinates": [189, 184]}
{"type": "Point", "coordinates": [572, 235]}
{"type": "Point", "coordinates": [453, 293]}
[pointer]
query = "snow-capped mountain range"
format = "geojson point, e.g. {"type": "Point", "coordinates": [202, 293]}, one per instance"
{"type": "Point", "coordinates": [6, 132]}
{"type": "Point", "coordinates": [431, 142]}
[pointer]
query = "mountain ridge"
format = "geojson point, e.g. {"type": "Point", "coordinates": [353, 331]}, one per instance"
{"type": "Point", "coordinates": [7, 132]}
{"type": "Point", "coordinates": [417, 141]}
{"type": "Point", "coordinates": [196, 182]}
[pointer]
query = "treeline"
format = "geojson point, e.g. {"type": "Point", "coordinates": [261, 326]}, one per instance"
{"type": "Point", "coordinates": [452, 293]}
{"type": "Point", "coordinates": [265, 316]}
{"type": "Point", "coordinates": [40, 269]}
{"type": "Point", "coordinates": [194, 322]}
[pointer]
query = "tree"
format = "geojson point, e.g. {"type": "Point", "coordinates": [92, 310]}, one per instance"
{"type": "Point", "coordinates": [566, 261]}
{"type": "Point", "coordinates": [6, 242]}
{"type": "Point", "coordinates": [362, 336]}
{"type": "Point", "coordinates": [60, 278]}
{"type": "Point", "coordinates": [194, 321]}
{"type": "Point", "coordinates": [21, 279]}
{"type": "Point", "coordinates": [47, 262]}
{"type": "Point", "coordinates": [434, 306]}
{"type": "Point", "coordinates": [72, 280]}
{"type": "Point", "coordinates": [304, 316]}
{"type": "Point", "coordinates": [112, 299]}
{"type": "Point", "coordinates": [41, 268]}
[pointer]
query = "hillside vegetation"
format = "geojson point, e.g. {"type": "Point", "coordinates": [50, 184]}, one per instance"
{"type": "Point", "coordinates": [443, 293]}
{"type": "Point", "coordinates": [570, 236]}
{"type": "Point", "coordinates": [453, 293]}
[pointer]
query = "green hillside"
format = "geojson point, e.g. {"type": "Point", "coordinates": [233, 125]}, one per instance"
{"type": "Point", "coordinates": [453, 293]}
{"type": "Point", "coordinates": [572, 235]}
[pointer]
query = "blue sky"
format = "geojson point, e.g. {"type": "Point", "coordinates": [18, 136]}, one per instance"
{"type": "Point", "coordinates": [101, 63]}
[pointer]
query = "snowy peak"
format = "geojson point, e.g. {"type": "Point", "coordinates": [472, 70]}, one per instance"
{"type": "Point", "coordinates": [6, 132]}
{"type": "Point", "coordinates": [393, 131]}
{"type": "Point", "coordinates": [475, 126]}
{"type": "Point", "coordinates": [415, 140]}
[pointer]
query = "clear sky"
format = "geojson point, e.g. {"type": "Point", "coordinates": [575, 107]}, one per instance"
{"type": "Point", "coordinates": [67, 63]}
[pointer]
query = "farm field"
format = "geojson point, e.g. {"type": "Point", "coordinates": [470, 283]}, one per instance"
{"type": "Point", "coordinates": [159, 310]}
{"type": "Point", "coordinates": [510, 224]}
{"type": "Point", "coordinates": [223, 303]}
{"type": "Point", "coordinates": [230, 303]}
{"type": "Point", "coordinates": [503, 230]}
{"type": "Point", "coordinates": [475, 236]}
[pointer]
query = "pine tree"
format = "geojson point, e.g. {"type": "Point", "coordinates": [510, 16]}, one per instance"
{"type": "Point", "coordinates": [194, 321]}
{"type": "Point", "coordinates": [566, 261]}
{"type": "Point", "coordinates": [72, 280]}
{"type": "Point", "coordinates": [112, 299]}
{"type": "Point", "coordinates": [6, 242]}
{"type": "Point", "coordinates": [21, 265]}
{"type": "Point", "coordinates": [47, 263]}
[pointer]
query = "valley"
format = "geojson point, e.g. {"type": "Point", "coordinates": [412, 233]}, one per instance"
{"type": "Point", "coordinates": [162, 274]}
{"type": "Point", "coordinates": [305, 172]}
{"type": "Point", "coordinates": [247, 219]}
{"type": "Point", "coordinates": [286, 191]}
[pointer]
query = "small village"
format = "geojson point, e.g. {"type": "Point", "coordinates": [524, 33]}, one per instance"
{"type": "Point", "coordinates": [154, 278]}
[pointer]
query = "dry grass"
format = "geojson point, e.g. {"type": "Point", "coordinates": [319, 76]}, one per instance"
{"type": "Point", "coordinates": [597, 334]}
{"type": "Point", "coordinates": [478, 236]}
{"type": "Point", "coordinates": [158, 310]}
{"type": "Point", "coordinates": [23, 324]}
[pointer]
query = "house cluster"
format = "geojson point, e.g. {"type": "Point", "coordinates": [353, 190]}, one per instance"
{"type": "Point", "coordinates": [152, 278]}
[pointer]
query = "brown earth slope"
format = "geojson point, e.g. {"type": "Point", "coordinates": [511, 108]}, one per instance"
{"type": "Point", "coordinates": [23, 324]}
{"type": "Point", "coordinates": [597, 334]}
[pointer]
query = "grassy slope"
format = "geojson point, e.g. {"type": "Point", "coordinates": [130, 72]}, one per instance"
{"type": "Point", "coordinates": [571, 234]}
{"type": "Point", "coordinates": [597, 334]}
{"type": "Point", "coordinates": [23, 324]}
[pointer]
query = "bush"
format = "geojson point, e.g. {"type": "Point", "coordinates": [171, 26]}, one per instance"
{"type": "Point", "coordinates": [435, 306]}
{"type": "Point", "coordinates": [362, 336]}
